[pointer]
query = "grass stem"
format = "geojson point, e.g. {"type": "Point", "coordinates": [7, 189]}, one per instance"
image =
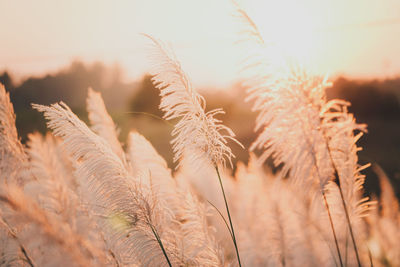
{"type": "Point", "coordinates": [337, 179]}
{"type": "Point", "coordinates": [161, 244]}
{"type": "Point", "coordinates": [223, 218]}
{"type": "Point", "coordinates": [27, 258]}
{"type": "Point", "coordinates": [350, 228]}
{"type": "Point", "coordinates": [333, 228]}
{"type": "Point", "coordinates": [229, 217]}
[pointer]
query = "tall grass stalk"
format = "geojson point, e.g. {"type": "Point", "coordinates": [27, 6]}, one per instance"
{"type": "Point", "coordinates": [229, 217]}
{"type": "Point", "coordinates": [198, 134]}
{"type": "Point", "coordinates": [343, 203]}
{"type": "Point", "coordinates": [333, 228]}
{"type": "Point", "coordinates": [160, 243]}
{"type": "Point", "coordinates": [350, 227]}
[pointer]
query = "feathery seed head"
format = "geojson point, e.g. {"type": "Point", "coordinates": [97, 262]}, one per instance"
{"type": "Point", "coordinates": [198, 134]}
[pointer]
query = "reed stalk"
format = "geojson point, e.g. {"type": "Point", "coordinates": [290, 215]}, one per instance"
{"type": "Point", "coordinates": [229, 217]}
{"type": "Point", "coordinates": [333, 228]}
{"type": "Point", "coordinates": [160, 244]}
{"type": "Point", "coordinates": [350, 227]}
{"type": "Point", "coordinates": [343, 203]}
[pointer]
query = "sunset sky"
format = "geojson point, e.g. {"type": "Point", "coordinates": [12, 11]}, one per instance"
{"type": "Point", "coordinates": [357, 38]}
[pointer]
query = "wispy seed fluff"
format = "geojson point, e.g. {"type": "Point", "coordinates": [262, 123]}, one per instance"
{"type": "Point", "coordinates": [198, 135]}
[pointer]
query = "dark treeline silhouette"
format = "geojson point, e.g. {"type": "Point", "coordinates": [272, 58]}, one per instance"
{"type": "Point", "coordinates": [147, 98]}
{"type": "Point", "coordinates": [135, 105]}
{"type": "Point", "coordinates": [369, 99]}
{"type": "Point", "coordinates": [69, 85]}
{"type": "Point", "coordinates": [377, 104]}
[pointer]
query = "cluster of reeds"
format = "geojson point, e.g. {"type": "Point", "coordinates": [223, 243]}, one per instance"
{"type": "Point", "coordinates": [78, 197]}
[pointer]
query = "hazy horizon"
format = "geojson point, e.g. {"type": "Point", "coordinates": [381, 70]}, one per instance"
{"type": "Point", "coordinates": [357, 39]}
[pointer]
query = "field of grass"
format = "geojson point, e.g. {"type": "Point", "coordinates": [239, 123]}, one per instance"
{"type": "Point", "coordinates": [77, 196]}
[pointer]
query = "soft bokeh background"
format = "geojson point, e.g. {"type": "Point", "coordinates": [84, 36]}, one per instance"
{"type": "Point", "coordinates": [55, 50]}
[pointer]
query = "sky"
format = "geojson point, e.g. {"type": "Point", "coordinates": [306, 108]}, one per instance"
{"type": "Point", "coordinates": [357, 38]}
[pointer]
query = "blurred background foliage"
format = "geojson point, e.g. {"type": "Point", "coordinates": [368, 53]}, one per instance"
{"type": "Point", "coordinates": [134, 106]}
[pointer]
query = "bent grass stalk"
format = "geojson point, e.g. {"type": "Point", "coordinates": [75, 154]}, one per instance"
{"type": "Point", "coordinates": [223, 218]}
{"type": "Point", "coordinates": [232, 231]}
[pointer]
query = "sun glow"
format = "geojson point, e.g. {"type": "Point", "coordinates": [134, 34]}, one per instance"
{"type": "Point", "coordinates": [290, 30]}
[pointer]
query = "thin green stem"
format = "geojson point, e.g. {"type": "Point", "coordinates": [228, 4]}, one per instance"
{"type": "Point", "coordinates": [223, 218]}
{"type": "Point", "coordinates": [333, 228]}
{"type": "Point", "coordinates": [160, 243]}
{"type": "Point", "coordinates": [229, 217]}
{"type": "Point", "coordinates": [150, 115]}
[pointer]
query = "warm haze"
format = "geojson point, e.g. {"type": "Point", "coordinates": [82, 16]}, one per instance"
{"type": "Point", "coordinates": [286, 167]}
{"type": "Point", "coordinates": [357, 38]}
